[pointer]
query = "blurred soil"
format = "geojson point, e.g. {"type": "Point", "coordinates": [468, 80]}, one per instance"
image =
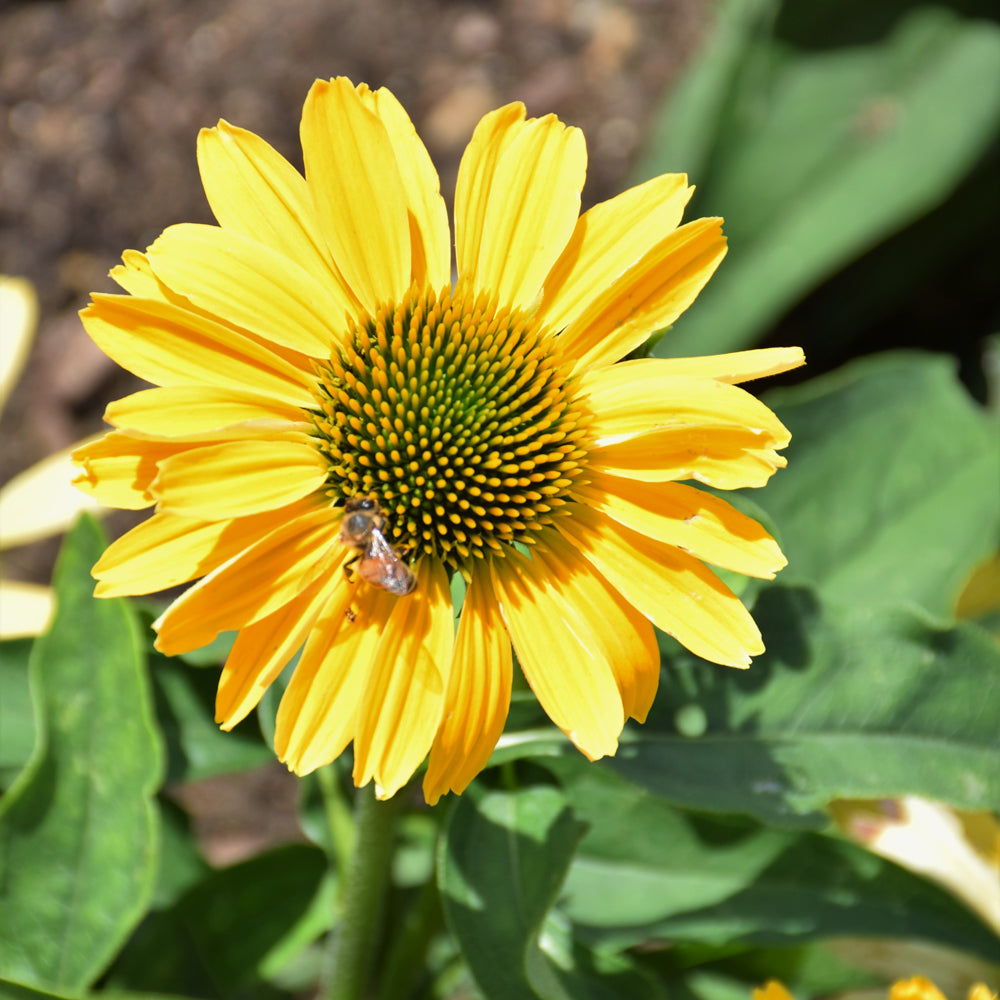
{"type": "Point", "coordinates": [101, 103]}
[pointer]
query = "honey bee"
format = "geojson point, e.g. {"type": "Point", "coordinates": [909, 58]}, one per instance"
{"type": "Point", "coordinates": [376, 562]}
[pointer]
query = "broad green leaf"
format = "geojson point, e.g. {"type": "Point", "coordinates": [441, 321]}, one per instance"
{"type": "Point", "coordinates": [847, 702]}
{"type": "Point", "coordinates": [196, 747]}
{"type": "Point", "coordinates": [232, 928]}
{"type": "Point", "coordinates": [500, 864]}
{"type": "Point", "coordinates": [646, 870]}
{"type": "Point", "coordinates": [816, 155]}
{"type": "Point", "coordinates": [78, 832]}
{"type": "Point", "coordinates": [892, 491]}
{"type": "Point", "coordinates": [17, 724]}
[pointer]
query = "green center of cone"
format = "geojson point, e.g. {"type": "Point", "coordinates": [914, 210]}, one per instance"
{"type": "Point", "coordinates": [454, 415]}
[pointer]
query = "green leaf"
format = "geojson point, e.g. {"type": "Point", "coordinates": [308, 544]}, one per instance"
{"type": "Point", "coordinates": [232, 928]}
{"type": "Point", "coordinates": [196, 747]}
{"type": "Point", "coordinates": [647, 870]}
{"type": "Point", "coordinates": [500, 864]}
{"type": "Point", "coordinates": [17, 724]}
{"type": "Point", "coordinates": [813, 969]}
{"type": "Point", "coordinates": [892, 491]}
{"type": "Point", "coordinates": [18, 991]}
{"type": "Point", "coordinates": [815, 156]}
{"type": "Point", "coordinates": [181, 863]}
{"type": "Point", "coordinates": [846, 702]}
{"type": "Point", "coordinates": [78, 834]}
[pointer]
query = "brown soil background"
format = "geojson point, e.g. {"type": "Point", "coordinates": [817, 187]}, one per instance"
{"type": "Point", "coordinates": [101, 104]}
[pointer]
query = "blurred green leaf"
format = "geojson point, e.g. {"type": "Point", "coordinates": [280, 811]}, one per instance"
{"type": "Point", "coordinates": [814, 156]}
{"type": "Point", "coordinates": [78, 834]}
{"type": "Point", "coordinates": [812, 969]}
{"type": "Point", "coordinates": [196, 747]}
{"type": "Point", "coordinates": [847, 702]}
{"type": "Point", "coordinates": [17, 991]}
{"type": "Point", "coordinates": [231, 929]}
{"type": "Point", "coordinates": [17, 723]}
{"type": "Point", "coordinates": [181, 863]}
{"type": "Point", "coordinates": [500, 865]}
{"type": "Point", "coordinates": [892, 491]}
{"type": "Point", "coordinates": [646, 870]}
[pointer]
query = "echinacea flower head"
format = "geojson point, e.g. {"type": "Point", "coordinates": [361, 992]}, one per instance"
{"type": "Point", "coordinates": [341, 430]}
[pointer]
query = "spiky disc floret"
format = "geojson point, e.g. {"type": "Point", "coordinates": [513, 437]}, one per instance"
{"type": "Point", "coordinates": [455, 415]}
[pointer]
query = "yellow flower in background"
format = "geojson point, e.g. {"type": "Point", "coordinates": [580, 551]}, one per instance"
{"type": "Point", "coordinates": [916, 988]}
{"type": "Point", "coordinates": [313, 353]}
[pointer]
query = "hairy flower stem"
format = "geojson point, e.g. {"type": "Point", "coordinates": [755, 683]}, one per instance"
{"type": "Point", "coordinates": [362, 897]}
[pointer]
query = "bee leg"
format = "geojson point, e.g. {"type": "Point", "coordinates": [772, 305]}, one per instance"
{"type": "Point", "coordinates": [349, 567]}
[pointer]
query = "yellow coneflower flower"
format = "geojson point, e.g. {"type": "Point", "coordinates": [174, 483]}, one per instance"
{"type": "Point", "coordinates": [313, 354]}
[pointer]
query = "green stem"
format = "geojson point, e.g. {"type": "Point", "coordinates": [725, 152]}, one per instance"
{"type": "Point", "coordinates": [405, 961]}
{"type": "Point", "coordinates": [362, 896]}
{"type": "Point", "coordinates": [339, 820]}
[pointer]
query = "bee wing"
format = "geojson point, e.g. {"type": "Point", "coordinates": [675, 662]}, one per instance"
{"type": "Point", "coordinates": [382, 567]}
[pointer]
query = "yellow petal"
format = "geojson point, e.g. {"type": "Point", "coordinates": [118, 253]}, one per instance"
{"type": "Point", "coordinates": [261, 651]}
{"type": "Point", "coordinates": [318, 713]}
{"type": "Point", "coordinates": [403, 699]}
{"type": "Point", "coordinates": [251, 285]}
{"type": "Point", "coordinates": [41, 501]}
{"type": "Point", "coordinates": [624, 636]}
{"type": "Point", "coordinates": [358, 192]}
{"type": "Point", "coordinates": [136, 276]}
{"type": "Point", "coordinates": [689, 518]}
{"type": "Point", "coordinates": [253, 190]}
{"type": "Point", "coordinates": [741, 366]}
{"type": "Point", "coordinates": [647, 297]}
{"type": "Point", "coordinates": [917, 988]}
{"type": "Point", "coordinates": [980, 991]}
{"type": "Point", "coordinates": [639, 396]}
{"type": "Point", "coordinates": [430, 238]}
{"type": "Point", "coordinates": [724, 457]}
{"type": "Point", "coordinates": [255, 583]}
{"type": "Point", "coordinates": [533, 206]}
{"type": "Point", "coordinates": [26, 609]}
{"type": "Point", "coordinates": [559, 653]}
{"type": "Point", "coordinates": [478, 694]}
{"type": "Point", "coordinates": [236, 478]}
{"type": "Point", "coordinates": [119, 469]}
{"type": "Point", "coordinates": [492, 136]}
{"type": "Point", "coordinates": [167, 345]}
{"type": "Point", "coordinates": [184, 410]}
{"type": "Point", "coordinates": [18, 320]}
{"type": "Point", "coordinates": [675, 591]}
{"type": "Point", "coordinates": [608, 240]}
{"type": "Point", "coordinates": [167, 550]}
{"type": "Point", "coordinates": [772, 990]}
